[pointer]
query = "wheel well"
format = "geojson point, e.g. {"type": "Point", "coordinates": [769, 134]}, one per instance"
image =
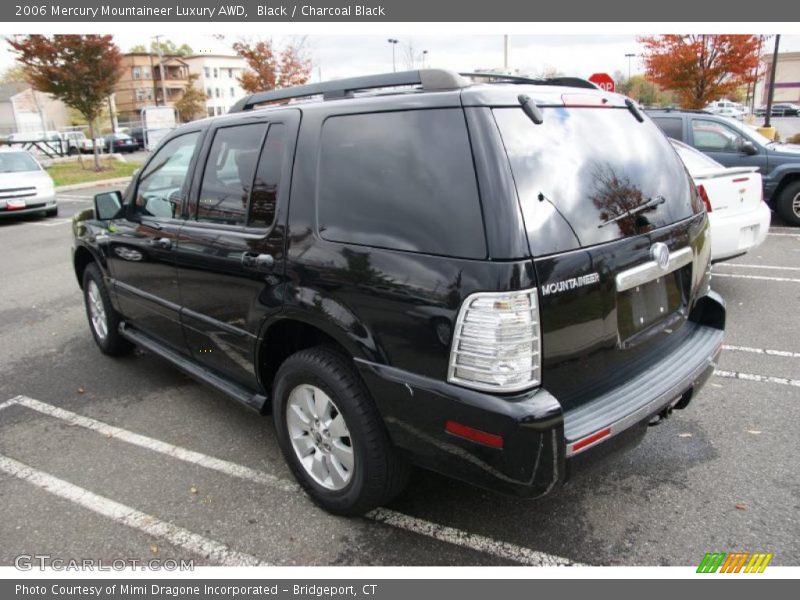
{"type": "Point", "coordinates": [82, 260]}
{"type": "Point", "coordinates": [285, 338]}
{"type": "Point", "coordinates": [786, 180]}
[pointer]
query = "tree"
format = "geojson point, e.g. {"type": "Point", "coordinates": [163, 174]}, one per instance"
{"type": "Point", "coordinates": [270, 69]}
{"type": "Point", "coordinates": [701, 68]}
{"type": "Point", "coordinates": [643, 91]}
{"type": "Point", "coordinates": [79, 70]}
{"type": "Point", "coordinates": [15, 74]}
{"type": "Point", "coordinates": [193, 101]}
{"type": "Point", "coordinates": [167, 48]}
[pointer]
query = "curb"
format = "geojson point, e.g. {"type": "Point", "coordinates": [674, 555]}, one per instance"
{"type": "Point", "coordinates": [91, 184]}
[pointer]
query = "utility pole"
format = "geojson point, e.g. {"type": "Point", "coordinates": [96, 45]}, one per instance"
{"type": "Point", "coordinates": [505, 53]}
{"type": "Point", "coordinates": [767, 129]}
{"type": "Point", "coordinates": [153, 77]}
{"type": "Point", "coordinates": [157, 38]}
{"type": "Point", "coordinates": [424, 55]}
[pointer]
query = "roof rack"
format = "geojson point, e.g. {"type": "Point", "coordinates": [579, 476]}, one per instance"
{"type": "Point", "coordinates": [562, 81]}
{"type": "Point", "coordinates": [427, 79]}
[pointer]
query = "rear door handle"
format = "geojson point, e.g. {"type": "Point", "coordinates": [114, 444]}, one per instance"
{"type": "Point", "coordinates": [258, 262]}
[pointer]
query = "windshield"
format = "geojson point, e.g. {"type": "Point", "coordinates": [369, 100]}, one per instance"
{"type": "Point", "coordinates": [694, 160]}
{"type": "Point", "coordinates": [17, 162]}
{"type": "Point", "coordinates": [587, 176]}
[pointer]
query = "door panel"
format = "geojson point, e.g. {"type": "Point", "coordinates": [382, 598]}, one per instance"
{"type": "Point", "coordinates": [140, 246]}
{"type": "Point", "coordinates": [230, 256]}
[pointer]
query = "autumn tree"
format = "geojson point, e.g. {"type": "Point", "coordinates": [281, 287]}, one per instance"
{"type": "Point", "coordinates": [15, 74]}
{"type": "Point", "coordinates": [79, 70]}
{"type": "Point", "coordinates": [270, 68]}
{"type": "Point", "coordinates": [193, 102]}
{"type": "Point", "coordinates": [701, 68]}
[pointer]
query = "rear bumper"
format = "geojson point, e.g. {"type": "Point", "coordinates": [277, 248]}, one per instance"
{"type": "Point", "coordinates": [733, 235]}
{"type": "Point", "coordinates": [541, 444]}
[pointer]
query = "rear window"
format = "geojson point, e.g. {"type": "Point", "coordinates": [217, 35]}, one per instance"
{"type": "Point", "coordinates": [695, 161]}
{"type": "Point", "coordinates": [400, 180]}
{"type": "Point", "coordinates": [587, 176]}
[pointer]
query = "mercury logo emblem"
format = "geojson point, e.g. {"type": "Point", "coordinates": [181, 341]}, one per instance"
{"type": "Point", "coordinates": [660, 254]}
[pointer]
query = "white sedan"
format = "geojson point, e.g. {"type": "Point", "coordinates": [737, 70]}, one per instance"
{"type": "Point", "coordinates": [25, 187]}
{"type": "Point", "coordinates": [734, 201]}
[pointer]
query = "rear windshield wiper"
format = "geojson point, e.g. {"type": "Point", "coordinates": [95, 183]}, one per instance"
{"type": "Point", "coordinates": [651, 203]}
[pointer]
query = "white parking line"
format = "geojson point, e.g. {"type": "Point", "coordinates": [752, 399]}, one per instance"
{"type": "Point", "coordinates": [8, 403]}
{"type": "Point", "coordinates": [772, 267]}
{"type": "Point", "coordinates": [468, 540]}
{"type": "Point", "coordinates": [785, 234]}
{"type": "Point", "coordinates": [758, 378]}
{"type": "Point", "coordinates": [781, 353]}
{"type": "Point", "coordinates": [760, 277]}
{"type": "Point", "coordinates": [52, 222]}
{"type": "Point", "coordinates": [130, 517]}
{"type": "Point", "coordinates": [500, 549]}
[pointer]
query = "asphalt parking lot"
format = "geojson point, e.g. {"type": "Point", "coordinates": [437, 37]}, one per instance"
{"type": "Point", "coordinates": [129, 459]}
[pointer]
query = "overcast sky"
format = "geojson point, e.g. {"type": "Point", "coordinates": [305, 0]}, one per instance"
{"type": "Point", "coordinates": [342, 56]}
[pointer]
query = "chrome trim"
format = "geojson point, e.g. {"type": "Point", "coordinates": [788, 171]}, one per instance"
{"type": "Point", "coordinates": [671, 396]}
{"type": "Point", "coordinates": [650, 270]}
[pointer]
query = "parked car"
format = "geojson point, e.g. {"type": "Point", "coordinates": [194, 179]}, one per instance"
{"type": "Point", "coordinates": [119, 142]}
{"type": "Point", "coordinates": [79, 143]}
{"type": "Point", "coordinates": [138, 135]}
{"type": "Point", "coordinates": [502, 282]}
{"type": "Point", "coordinates": [780, 109]}
{"type": "Point", "coordinates": [727, 108]}
{"type": "Point", "coordinates": [733, 198]}
{"type": "Point", "coordinates": [734, 144]}
{"type": "Point", "coordinates": [25, 187]}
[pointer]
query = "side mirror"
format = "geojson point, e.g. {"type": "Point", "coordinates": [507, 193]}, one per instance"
{"type": "Point", "coordinates": [107, 205]}
{"type": "Point", "coordinates": [748, 147]}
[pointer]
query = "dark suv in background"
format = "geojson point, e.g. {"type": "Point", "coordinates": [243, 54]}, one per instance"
{"type": "Point", "coordinates": [500, 282]}
{"type": "Point", "coordinates": [735, 145]}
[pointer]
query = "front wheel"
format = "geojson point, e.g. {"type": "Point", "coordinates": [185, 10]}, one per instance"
{"type": "Point", "coordinates": [103, 319]}
{"type": "Point", "coordinates": [332, 436]}
{"type": "Point", "coordinates": [788, 204]}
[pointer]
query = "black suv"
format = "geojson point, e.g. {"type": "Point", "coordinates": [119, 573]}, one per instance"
{"type": "Point", "coordinates": [735, 145]}
{"type": "Point", "coordinates": [501, 282]}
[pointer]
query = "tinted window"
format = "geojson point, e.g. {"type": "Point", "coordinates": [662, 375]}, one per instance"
{"type": "Point", "coordinates": [591, 175]}
{"type": "Point", "coordinates": [161, 185]}
{"type": "Point", "coordinates": [268, 178]}
{"type": "Point", "coordinates": [401, 180]}
{"type": "Point", "coordinates": [229, 172]}
{"type": "Point", "coordinates": [671, 126]}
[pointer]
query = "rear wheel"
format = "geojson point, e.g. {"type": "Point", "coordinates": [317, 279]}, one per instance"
{"type": "Point", "coordinates": [103, 319]}
{"type": "Point", "coordinates": [332, 435]}
{"type": "Point", "coordinates": [788, 205]}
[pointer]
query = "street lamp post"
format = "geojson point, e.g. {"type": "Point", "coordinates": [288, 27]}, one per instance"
{"type": "Point", "coordinates": [767, 129]}
{"type": "Point", "coordinates": [393, 42]}
{"type": "Point", "coordinates": [424, 55]}
{"type": "Point", "coordinates": [629, 56]}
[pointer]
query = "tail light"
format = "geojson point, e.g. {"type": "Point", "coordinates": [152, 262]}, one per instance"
{"type": "Point", "coordinates": [497, 343]}
{"type": "Point", "coordinates": [704, 197]}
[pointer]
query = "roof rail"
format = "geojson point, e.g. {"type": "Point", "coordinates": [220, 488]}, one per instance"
{"type": "Point", "coordinates": [563, 81]}
{"type": "Point", "coordinates": [427, 79]}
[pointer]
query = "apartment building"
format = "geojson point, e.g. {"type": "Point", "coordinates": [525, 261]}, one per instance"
{"type": "Point", "coordinates": [148, 80]}
{"type": "Point", "coordinates": [218, 76]}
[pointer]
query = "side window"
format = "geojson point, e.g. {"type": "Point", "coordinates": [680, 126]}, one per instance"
{"type": "Point", "coordinates": [400, 180]}
{"type": "Point", "coordinates": [268, 178]}
{"type": "Point", "coordinates": [229, 172]}
{"type": "Point", "coordinates": [671, 126]}
{"type": "Point", "coordinates": [713, 136]}
{"type": "Point", "coordinates": [161, 185]}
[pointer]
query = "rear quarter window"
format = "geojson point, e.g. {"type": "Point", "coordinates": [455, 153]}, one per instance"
{"type": "Point", "coordinates": [400, 180]}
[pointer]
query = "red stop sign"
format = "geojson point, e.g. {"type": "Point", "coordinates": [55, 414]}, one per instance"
{"type": "Point", "coordinates": [603, 81]}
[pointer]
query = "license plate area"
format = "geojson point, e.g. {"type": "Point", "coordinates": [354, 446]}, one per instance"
{"type": "Point", "coordinates": [653, 305]}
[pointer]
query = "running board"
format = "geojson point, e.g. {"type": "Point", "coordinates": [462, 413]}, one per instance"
{"type": "Point", "coordinates": [193, 369]}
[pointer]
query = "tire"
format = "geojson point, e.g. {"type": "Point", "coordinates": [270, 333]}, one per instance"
{"type": "Point", "coordinates": [377, 473]}
{"type": "Point", "coordinates": [788, 204]}
{"type": "Point", "coordinates": [53, 212]}
{"type": "Point", "coordinates": [103, 319]}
